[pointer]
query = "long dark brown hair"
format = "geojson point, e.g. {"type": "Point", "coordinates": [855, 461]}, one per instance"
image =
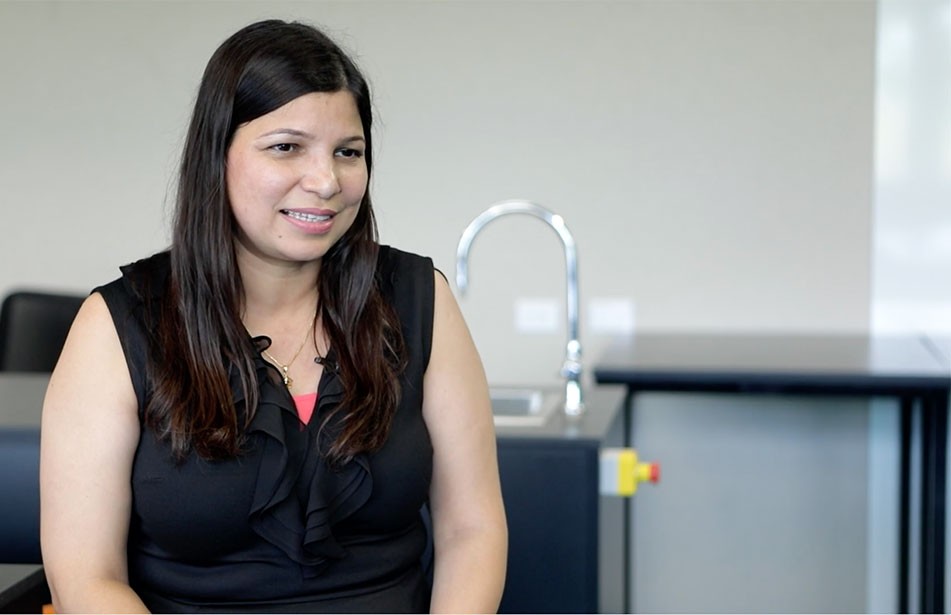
{"type": "Point", "coordinates": [199, 335]}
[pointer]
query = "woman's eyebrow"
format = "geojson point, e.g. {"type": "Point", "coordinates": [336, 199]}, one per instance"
{"type": "Point", "coordinates": [293, 132]}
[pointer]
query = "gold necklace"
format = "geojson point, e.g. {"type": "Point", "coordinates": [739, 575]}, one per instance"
{"type": "Point", "coordinates": [288, 381]}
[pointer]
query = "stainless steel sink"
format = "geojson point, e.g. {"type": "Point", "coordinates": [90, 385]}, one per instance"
{"type": "Point", "coordinates": [519, 406]}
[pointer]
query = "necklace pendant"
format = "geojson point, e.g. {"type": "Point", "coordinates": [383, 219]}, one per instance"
{"type": "Point", "coordinates": [288, 381]}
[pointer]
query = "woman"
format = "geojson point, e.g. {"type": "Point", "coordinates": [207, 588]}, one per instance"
{"type": "Point", "coordinates": [253, 420]}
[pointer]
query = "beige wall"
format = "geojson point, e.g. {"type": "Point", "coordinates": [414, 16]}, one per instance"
{"type": "Point", "coordinates": [713, 159]}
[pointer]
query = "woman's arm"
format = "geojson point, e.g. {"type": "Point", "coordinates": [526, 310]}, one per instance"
{"type": "Point", "coordinates": [470, 535]}
{"type": "Point", "coordinates": [89, 433]}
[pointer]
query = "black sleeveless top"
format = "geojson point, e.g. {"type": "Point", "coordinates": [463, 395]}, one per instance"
{"type": "Point", "coordinates": [276, 529]}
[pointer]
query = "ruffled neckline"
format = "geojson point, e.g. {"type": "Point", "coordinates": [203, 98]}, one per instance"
{"type": "Point", "coordinates": [298, 497]}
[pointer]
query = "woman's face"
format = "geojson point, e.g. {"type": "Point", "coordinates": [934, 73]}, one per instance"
{"type": "Point", "coordinates": [296, 177]}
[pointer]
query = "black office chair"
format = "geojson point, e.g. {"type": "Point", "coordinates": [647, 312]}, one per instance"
{"type": "Point", "coordinates": [33, 328]}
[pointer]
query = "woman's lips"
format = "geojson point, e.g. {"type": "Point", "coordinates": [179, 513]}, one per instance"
{"type": "Point", "coordinates": [305, 216]}
{"type": "Point", "coordinates": [313, 221]}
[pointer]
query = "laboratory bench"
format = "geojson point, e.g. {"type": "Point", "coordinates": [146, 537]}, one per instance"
{"type": "Point", "coordinates": [908, 369]}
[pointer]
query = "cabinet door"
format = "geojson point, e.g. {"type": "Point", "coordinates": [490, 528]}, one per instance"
{"type": "Point", "coordinates": [551, 498]}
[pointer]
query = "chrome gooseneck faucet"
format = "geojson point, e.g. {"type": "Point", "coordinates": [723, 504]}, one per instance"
{"type": "Point", "coordinates": [571, 369]}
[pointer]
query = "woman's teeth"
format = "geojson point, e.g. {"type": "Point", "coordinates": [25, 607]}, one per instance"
{"type": "Point", "coordinates": [304, 217]}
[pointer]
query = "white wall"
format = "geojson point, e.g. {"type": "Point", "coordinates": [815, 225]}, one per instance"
{"type": "Point", "coordinates": [713, 159]}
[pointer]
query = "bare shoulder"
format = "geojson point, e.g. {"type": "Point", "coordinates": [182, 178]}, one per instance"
{"type": "Point", "coordinates": [455, 381]}
{"type": "Point", "coordinates": [442, 293]}
{"type": "Point", "coordinates": [446, 311]}
{"type": "Point", "coordinates": [451, 337]}
{"type": "Point", "coordinates": [91, 374]}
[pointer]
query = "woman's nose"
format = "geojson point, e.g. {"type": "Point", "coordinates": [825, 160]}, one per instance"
{"type": "Point", "coordinates": [320, 178]}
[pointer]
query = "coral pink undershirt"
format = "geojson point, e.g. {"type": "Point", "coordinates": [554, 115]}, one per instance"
{"type": "Point", "coordinates": [305, 405]}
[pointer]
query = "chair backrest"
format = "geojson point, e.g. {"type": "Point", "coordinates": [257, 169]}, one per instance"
{"type": "Point", "coordinates": [33, 328]}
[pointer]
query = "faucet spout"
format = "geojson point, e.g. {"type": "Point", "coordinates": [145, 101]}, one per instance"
{"type": "Point", "coordinates": [571, 368]}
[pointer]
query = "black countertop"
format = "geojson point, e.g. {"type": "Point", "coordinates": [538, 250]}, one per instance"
{"type": "Point", "coordinates": [775, 363]}
{"type": "Point", "coordinates": [21, 403]}
{"type": "Point", "coordinates": [20, 586]}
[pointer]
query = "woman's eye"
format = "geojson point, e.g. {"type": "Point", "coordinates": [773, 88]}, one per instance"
{"type": "Point", "coordinates": [349, 152]}
{"type": "Point", "coordinates": [284, 147]}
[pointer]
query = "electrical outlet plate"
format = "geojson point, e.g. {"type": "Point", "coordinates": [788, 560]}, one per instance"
{"type": "Point", "coordinates": [537, 315]}
{"type": "Point", "coordinates": [611, 315]}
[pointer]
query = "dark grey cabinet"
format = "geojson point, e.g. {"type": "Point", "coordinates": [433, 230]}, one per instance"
{"type": "Point", "coordinates": [566, 542]}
